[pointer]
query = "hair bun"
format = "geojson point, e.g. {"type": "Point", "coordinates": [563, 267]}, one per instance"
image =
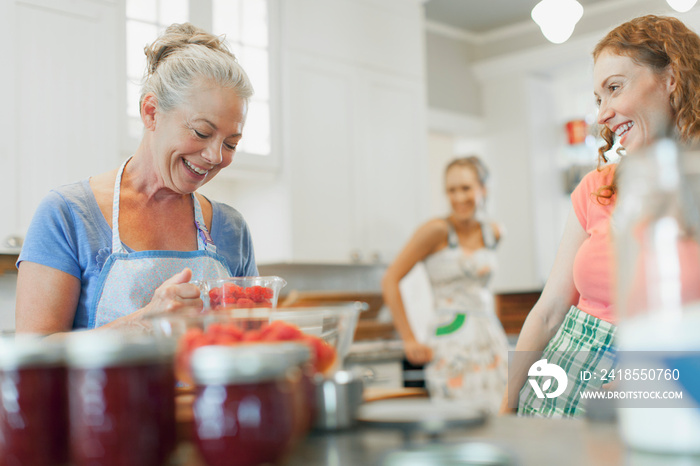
{"type": "Point", "coordinates": [177, 37]}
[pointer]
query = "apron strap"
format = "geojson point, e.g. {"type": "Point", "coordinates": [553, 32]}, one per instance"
{"type": "Point", "coordinates": [117, 246]}
{"type": "Point", "coordinates": [489, 235]}
{"type": "Point", "coordinates": [452, 238]}
{"type": "Point", "coordinates": [204, 240]}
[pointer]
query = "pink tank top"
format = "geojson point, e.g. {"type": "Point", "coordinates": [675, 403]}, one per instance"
{"type": "Point", "coordinates": [593, 266]}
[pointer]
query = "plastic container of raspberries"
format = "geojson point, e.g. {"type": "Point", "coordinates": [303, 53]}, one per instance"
{"type": "Point", "coordinates": [240, 292]}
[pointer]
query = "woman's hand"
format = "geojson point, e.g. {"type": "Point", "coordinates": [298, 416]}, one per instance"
{"type": "Point", "coordinates": [175, 294]}
{"type": "Point", "coordinates": [417, 353]}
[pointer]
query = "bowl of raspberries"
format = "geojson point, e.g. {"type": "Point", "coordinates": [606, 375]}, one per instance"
{"type": "Point", "coordinates": [243, 311]}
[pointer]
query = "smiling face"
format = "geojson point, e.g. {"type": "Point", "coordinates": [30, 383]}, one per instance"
{"type": "Point", "coordinates": [193, 142]}
{"type": "Point", "coordinates": [464, 192]}
{"type": "Point", "coordinates": [634, 100]}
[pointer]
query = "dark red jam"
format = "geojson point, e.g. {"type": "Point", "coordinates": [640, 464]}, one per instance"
{"type": "Point", "coordinates": [299, 356]}
{"type": "Point", "coordinates": [246, 407]}
{"type": "Point", "coordinates": [121, 399]}
{"type": "Point", "coordinates": [33, 408]}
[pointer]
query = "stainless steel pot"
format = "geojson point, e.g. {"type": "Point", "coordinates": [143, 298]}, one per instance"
{"type": "Point", "coordinates": [337, 400]}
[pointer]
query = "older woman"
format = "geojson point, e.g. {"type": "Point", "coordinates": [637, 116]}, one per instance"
{"type": "Point", "coordinates": [105, 251]}
{"type": "Point", "coordinates": [646, 79]}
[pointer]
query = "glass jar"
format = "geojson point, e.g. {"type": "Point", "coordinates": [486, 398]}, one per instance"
{"type": "Point", "coordinates": [244, 407]}
{"type": "Point", "coordinates": [301, 375]}
{"type": "Point", "coordinates": [33, 402]}
{"type": "Point", "coordinates": [656, 226]}
{"type": "Point", "coordinates": [122, 401]}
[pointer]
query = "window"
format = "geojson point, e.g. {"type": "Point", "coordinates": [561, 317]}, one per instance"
{"type": "Point", "coordinates": [245, 25]}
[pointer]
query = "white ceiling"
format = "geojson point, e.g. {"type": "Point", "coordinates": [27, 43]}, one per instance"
{"type": "Point", "coordinates": [482, 16]}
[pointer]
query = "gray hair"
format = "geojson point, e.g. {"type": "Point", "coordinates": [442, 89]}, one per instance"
{"type": "Point", "coordinates": [184, 55]}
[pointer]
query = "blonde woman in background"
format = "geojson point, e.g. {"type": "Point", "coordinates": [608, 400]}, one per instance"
{"type": "Point", "coordinates": [466, 351]}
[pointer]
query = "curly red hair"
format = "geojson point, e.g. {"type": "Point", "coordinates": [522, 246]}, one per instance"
{"type": "Point", "coordinates": [659, 42]}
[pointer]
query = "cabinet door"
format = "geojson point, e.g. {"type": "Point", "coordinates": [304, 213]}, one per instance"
{"type": "Point", "coordinates": [395, 165]}
{"type": "Point", "coordinates": [65, 87]}
{"type": "Point", "coordinates": [322, 133]}
{"type": "Point", "coordinates": [8, 161]}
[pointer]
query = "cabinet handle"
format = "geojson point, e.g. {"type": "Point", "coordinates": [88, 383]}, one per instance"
{"type": "Point", "coordinates": [355, 255]}
{"type": "Point", "coordinates": [376, 257]}
{"type": "Point", "coordinates": [14, 242]}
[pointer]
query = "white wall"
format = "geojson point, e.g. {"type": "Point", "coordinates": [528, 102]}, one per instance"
{"type": "Point", "coordinates": [440, 151]}
{"type": "Point", "coordinates": [451, 83]}
{"type": "Point", "coordinates": [263, 200]}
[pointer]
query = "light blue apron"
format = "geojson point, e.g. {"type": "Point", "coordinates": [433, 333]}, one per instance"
{"type": "Point", "coordinates": [129, 279]}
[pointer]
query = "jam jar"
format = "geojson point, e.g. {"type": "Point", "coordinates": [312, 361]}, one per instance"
{"type": "Point", "coordinates": [33, 402]}
{"type": "Point", "coordinates": [301, 374]}
{"type": "Point", "coordinates": [244, 407]}
{"type": "Point", "coordinates": [121, 390]}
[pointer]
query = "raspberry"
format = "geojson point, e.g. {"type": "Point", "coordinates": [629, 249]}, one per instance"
{"type": "Point", "coordinates": [259, 294]}
{"type": "Point", "coordinates": [245, 302]}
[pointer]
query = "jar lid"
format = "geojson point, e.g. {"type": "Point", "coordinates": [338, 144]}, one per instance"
{"type": "Point", "coordinates": [296, 353]}
{"type": "Point", "coordinates": [225, 365]}
{"type": "Point", "coordinates": [25, 351]}
{"type": "Point", "coordinates": [107, 348]}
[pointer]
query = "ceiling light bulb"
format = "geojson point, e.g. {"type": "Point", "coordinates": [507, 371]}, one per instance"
{"type": "Point", "coordinates": [681, 6]}
{"type": "Point", "coordinates": [557, 18]}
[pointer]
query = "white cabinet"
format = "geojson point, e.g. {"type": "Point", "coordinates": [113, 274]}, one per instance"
{"type": "Point", "coordinates": [355, 129]}
{"type": "Point", "coordinates": [395, 178]}
{"type": "Point", "coordinates": [322, 144]}
{"type": "Point", "coordinates": [60, 115]}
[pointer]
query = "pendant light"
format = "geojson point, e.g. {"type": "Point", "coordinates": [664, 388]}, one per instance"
{"type": "Point", "coordinates": [557, 18]}
{"type": "Point", "coordinates": [681, 6]}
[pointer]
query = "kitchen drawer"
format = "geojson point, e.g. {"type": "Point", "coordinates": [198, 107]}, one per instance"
{"type": "Point", "coordinates": [380, 374]}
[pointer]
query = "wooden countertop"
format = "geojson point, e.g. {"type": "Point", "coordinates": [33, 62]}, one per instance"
{"type": "Point", "coordinates": [7, 263]}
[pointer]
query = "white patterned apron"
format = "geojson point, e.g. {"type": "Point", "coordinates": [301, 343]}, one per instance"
{"type": "Point", "coordinates": [470, 349]}
{"type": "Point", "coordinates": [129, 279]}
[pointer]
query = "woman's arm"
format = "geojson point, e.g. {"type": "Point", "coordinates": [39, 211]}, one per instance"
{"type": "Point", "coordinates": [546, 316]}
{"type": "Point", "coordinates": [424, 242]}
{"type": "Point", "coordinates": [47, 299]}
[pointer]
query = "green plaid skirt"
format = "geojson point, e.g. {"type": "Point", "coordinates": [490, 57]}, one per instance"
{"type": "Point", "coordinates": [582, 343]}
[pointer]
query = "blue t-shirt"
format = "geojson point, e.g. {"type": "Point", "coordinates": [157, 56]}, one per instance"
{"type": "Point", "coordinates": [68, 232]}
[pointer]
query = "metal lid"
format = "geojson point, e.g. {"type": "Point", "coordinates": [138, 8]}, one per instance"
{"type": "Point", "coordinates": [105, 348]}
{"type": "Point", "coordinates": [26, 351]}
{"type": "Point", "coordinates": [226, 365]}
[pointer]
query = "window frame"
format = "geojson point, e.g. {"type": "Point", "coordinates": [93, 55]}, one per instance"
{"type": "Point", "coordinates": [244, 163]}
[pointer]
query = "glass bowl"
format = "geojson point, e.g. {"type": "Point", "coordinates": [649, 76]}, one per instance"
{"type": "Point", "coordinates": [328, 330]}
{"type": "Point", "coordinates": [240, 292]}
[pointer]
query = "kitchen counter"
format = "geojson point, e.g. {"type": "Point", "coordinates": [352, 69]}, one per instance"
{"type": "Point", "coordinates": [531, 441]}
{"type": "Point", "coordinates": [375, 350]}
{"type": "Point", "coordinates": [7, 263]}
